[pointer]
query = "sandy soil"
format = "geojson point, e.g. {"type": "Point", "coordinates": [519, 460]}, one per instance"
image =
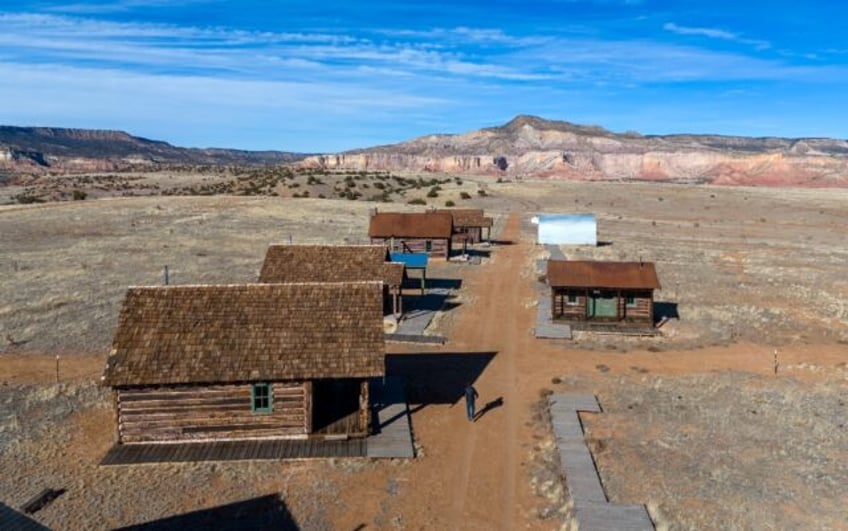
{"type": "Point", "coordinates": [496, 473]}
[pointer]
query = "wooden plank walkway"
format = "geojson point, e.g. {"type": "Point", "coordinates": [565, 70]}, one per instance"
{"type": "Point", "coordinates": [270, 449]}
{"type": "Point", "coordinates": [545, 327]}
{"type": "Point", "coordinates": [592, 510]}
{"type": "Point", "coordinates": [554, 252]}
{"type": "Point", "coordinates": [393, 431]}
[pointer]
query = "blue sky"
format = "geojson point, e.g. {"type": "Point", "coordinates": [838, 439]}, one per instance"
{"type": "Point", "coordinates": [324, 76]}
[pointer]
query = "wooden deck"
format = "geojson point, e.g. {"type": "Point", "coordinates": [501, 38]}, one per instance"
{"type": "Point", "coordinates": [134, 454]}
{"type": "Point", "coordinates": [545, 328]}
{"type": "Point", "coordinates": [592, 510]}
{"type": "Point", "coordinates": [392, 437]}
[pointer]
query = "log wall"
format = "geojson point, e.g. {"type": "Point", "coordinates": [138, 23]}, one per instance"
{"type": "Point", "coordinates": [562, 310]}
{"type": "Point", "coordinates": [439, 248]}
{"type": "Point", "coordinates": [641, 311]}
{"type": "Point", "coordinates": [474, 234]}
{"type": "Point", "coordinates": [185, 413]}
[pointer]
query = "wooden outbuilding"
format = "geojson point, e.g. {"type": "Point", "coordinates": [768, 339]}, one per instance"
{"type": "Point", "coordinates": [420, 232]}
{"type": "Point", "coordinates": [252, 361]}
{"type": "Point", "coordinates": [337, 263]}
{"type": "Point", "coordinates": [602, 291]}
{"type": "Point", "coordinates": [468, 224]}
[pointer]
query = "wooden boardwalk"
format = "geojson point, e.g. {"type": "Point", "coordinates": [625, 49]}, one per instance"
{"type": "Point", "coordinates": [592, 510]}
{"type": "Point", "coordinates": [554, 252]}
{"type": "Point", "coordinates": [133, 454]}
{"type": "Point", "coordinates": [545, 327]}
{"type": "Point", "coordinates": [392, 436]}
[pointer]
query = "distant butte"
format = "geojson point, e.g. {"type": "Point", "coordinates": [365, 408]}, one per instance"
{"type": "Point", "coordinates": [530, 146]}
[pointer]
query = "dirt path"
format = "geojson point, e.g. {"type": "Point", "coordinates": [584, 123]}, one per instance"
{"type": "Point", "coordinates": [486, 452]}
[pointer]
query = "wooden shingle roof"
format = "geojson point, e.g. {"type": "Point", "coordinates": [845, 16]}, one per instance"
{"type": "Point", "coordinates": [435, 225]}
{"type": "Point", "coordinates": [248, 332]}
{"type": "Point", "coordinates": [330, 263]}
{"type": "Point", "coordinates": [613, 275]}
{"type": "Point", "coordinates": [468, 217]}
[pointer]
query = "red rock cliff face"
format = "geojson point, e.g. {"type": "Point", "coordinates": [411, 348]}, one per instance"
{"type": "Point", "coordinates": [533, 147]}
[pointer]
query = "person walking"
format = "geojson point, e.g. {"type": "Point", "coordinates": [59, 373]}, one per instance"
{"type": "Point", "coordinates": [471, 396]}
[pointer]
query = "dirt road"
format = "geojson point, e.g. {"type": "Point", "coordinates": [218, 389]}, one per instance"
{"type": "Point", "coordinates": [487, 492]}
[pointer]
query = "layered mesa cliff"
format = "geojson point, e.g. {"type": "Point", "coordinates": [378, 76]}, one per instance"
{"type": "Point", "coordinates": [529, 146]}
{"type": "Point", "coordinates": [53, 149]}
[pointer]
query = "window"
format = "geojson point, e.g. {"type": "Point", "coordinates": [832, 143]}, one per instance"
{"type": "Point", "coordinates": [260, 398]}
{"type": "Point", "coordinates": [630, 301]}
{"type": "Point", "coordinates": [428, 245]}
{"type": "Point", "coordinates": [571, 299]}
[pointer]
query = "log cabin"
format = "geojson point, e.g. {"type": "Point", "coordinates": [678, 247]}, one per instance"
{"type": "Point", "coordinates": [251, 361]}
{"type": "Point", "coordinates": [419, 232]}
{"type": "Point", "coordinates": [468, 224]}
{"type": "Point", "coordinates": [602, 291]}
{"type": "Point", "coordinates": [337, 263]}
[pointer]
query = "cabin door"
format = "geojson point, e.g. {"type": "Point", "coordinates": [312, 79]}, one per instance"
{"type": "Point", "coordinates": [603, 304]}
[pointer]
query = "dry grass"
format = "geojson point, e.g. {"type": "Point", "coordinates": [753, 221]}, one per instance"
{"type": "Point", "coordinates": [762, 265]}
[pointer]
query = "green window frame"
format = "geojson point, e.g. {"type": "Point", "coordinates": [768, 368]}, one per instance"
{"type": "Point", "coordinates": [571, 299]}
{"type": "Point", "coordinates": [261, 398]}
{"type": "Point", "coordinates": [630, 301]}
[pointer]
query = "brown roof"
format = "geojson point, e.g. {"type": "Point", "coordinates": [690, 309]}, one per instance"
{"type": "Point", "coordinates": [468, 217]}
{"type": "Point", "coordinates": [411, 225]}
{"type": "Point", "coordinates": [587, 274]}
{"type": "Point", "coordinates": [248, 332]}
{"type": "Point", "coordinates": [329, 263]}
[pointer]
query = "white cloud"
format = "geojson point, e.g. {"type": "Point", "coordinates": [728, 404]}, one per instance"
{"type": "Point", "coordinates": [715, 33]}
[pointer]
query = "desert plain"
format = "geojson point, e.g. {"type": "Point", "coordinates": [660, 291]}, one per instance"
{"type": "Point", "coordinates": [733, 418]}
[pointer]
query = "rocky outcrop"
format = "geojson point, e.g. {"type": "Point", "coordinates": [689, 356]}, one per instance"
{"type": "Point", "coordinates": [533, 147]}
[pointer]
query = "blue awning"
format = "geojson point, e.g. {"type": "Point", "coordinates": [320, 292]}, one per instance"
{"type": "Point", "coordinates": [410, 260]}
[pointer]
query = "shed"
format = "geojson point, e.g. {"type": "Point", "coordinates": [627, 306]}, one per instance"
{"type": "Point", "coordinates": [468, 223]}
{"type": "Point", "coordinates": [337, 263]}
{"type": "Point", "coordinates": [567, 229]}
{"type": "Point", "coordinates": [418, 232]}
{"type": "Point", "coordinates": [602, 291]}
{"type": "Point", "coordinates": [252, 361]}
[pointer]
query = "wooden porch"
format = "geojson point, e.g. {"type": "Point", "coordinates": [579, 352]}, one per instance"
{"type": "Point", "coordinates": [134, 454]}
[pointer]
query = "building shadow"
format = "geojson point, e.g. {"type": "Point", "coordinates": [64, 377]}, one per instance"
{"type": "Point", "coordinates": [501, 242]}
{"type": "Point", "coordinates": [12, 519]}
{"type": "Point", "coordinates": [604, 243]}
{"type": "Point", "coordinates": [481, 253]}
{"type": "Point", "coordinates": [442, 283]}
{"type": "Point", "coordinates": [262, 513]}
{"type": "Point", "coordinates": [493, 404]}
{"type": "Point", "coordinates": [663, 311]}
{"type": "Point", "coordinates": [437, 378]}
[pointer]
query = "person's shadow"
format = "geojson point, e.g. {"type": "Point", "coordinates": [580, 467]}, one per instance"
{"type": "Point", "coordinates": [498, 402]}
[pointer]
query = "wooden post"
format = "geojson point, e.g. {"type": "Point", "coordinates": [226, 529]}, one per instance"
{"type": "Point", "coordinates": [57, 368]}
{"type": "Point", "coordinates": [775, 362]}
{"type": "Point", "coordinates": [618, 307]}
{"type": "Point", "coordinates": [307, 406]}
{"type": "Point", "coordinates": [364, 409]}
